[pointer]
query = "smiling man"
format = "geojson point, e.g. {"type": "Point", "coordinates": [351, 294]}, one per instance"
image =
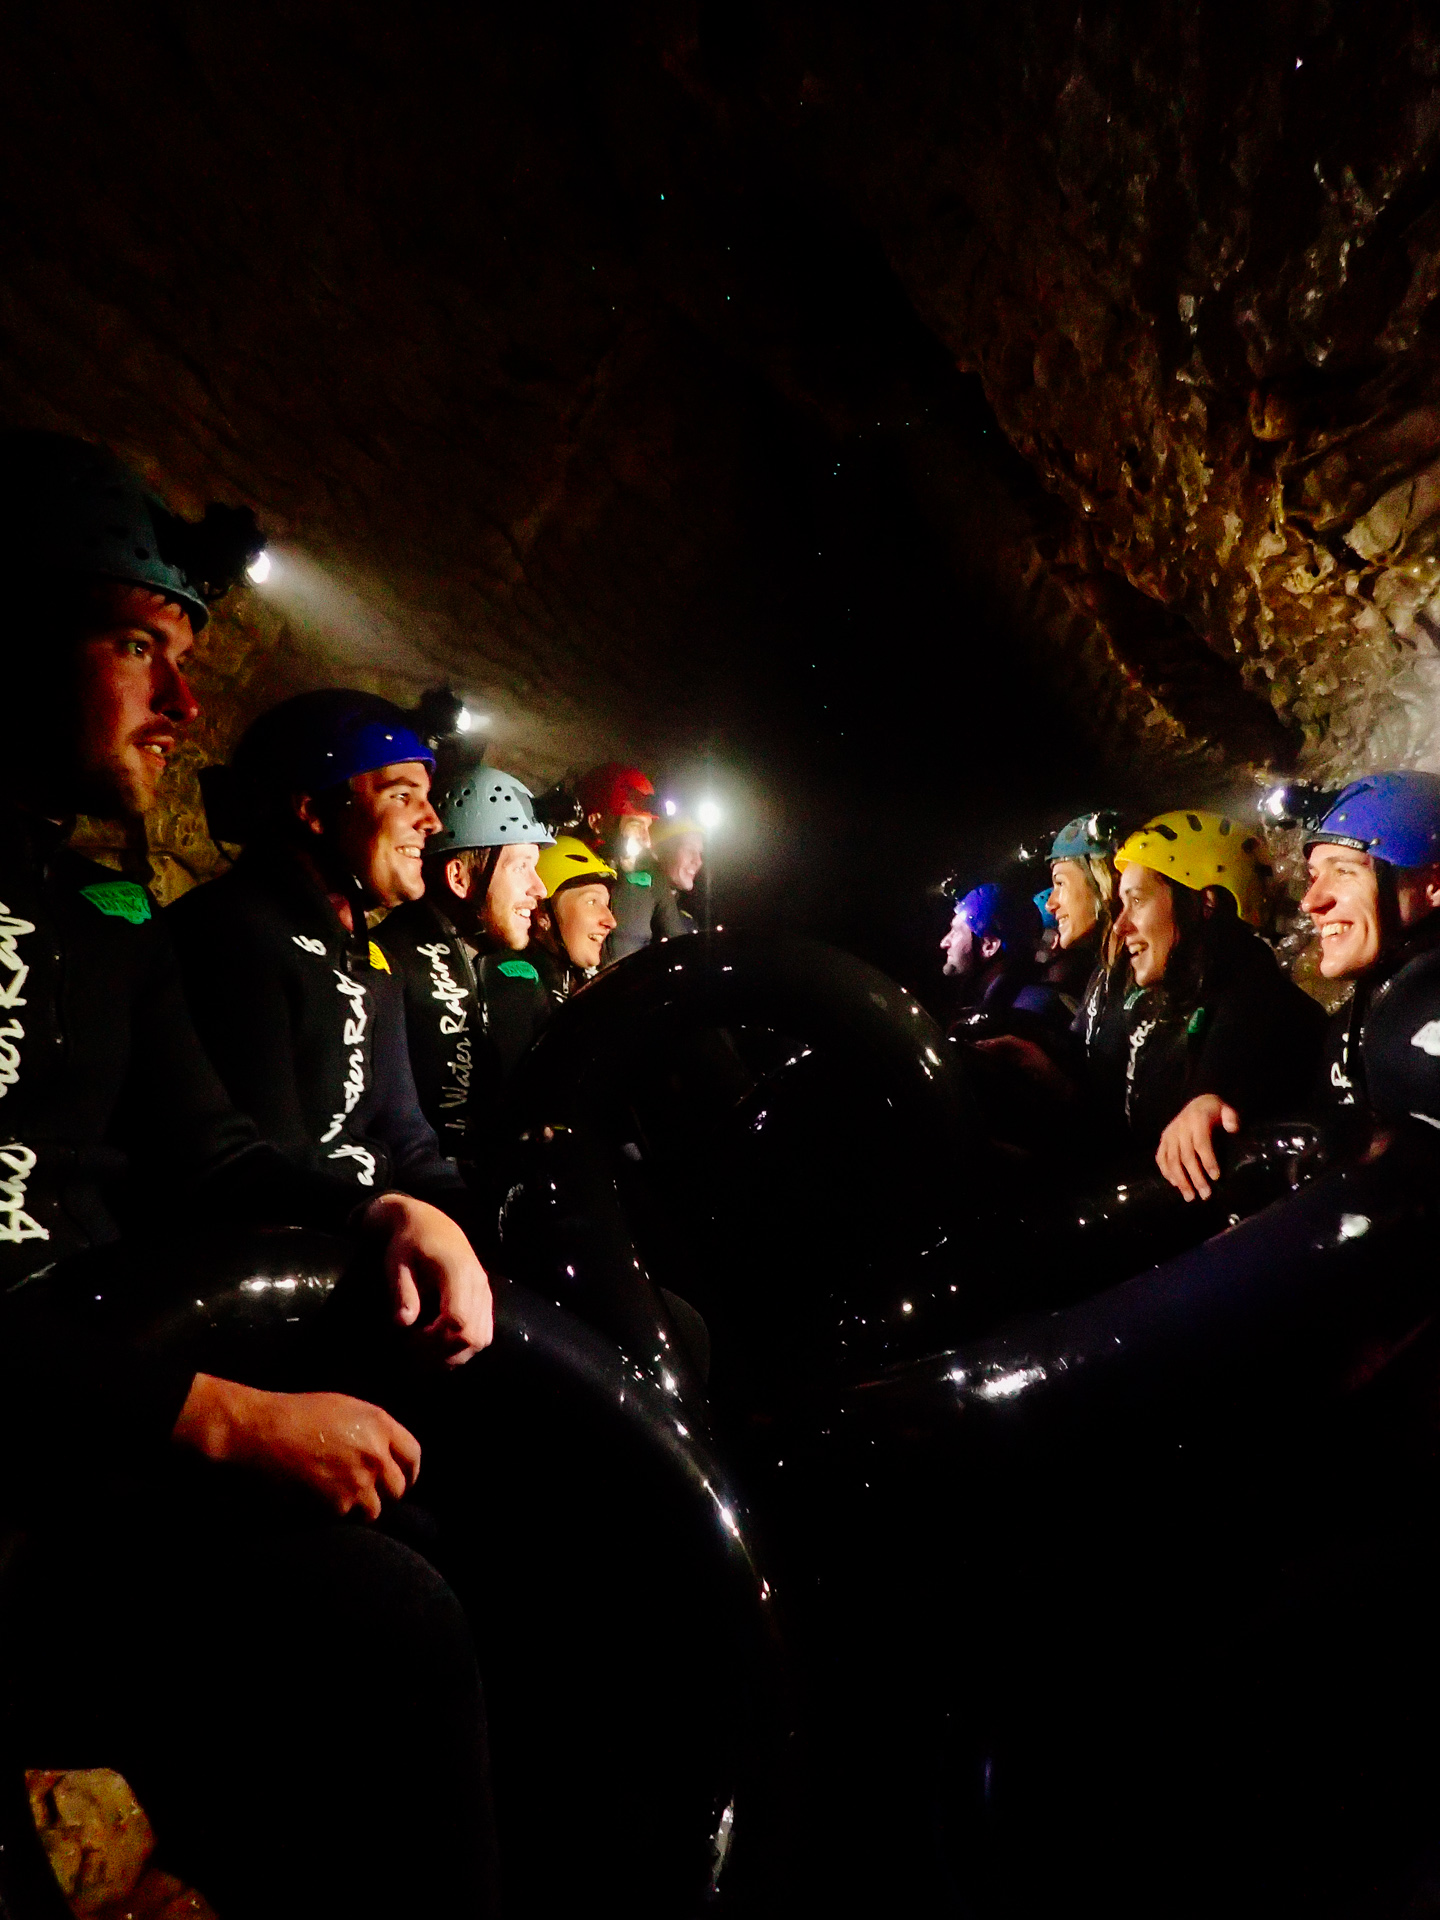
{"type": "Point", "coordinates": [125, 1460]}
{"type": "Point", "coordinates": [473, 1001]}
{"type": "Point", "coordinates": [329, 796]}
{"type": "Point", "coordinates": [1373, 854]}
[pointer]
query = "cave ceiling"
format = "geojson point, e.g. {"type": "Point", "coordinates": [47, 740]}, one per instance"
{"type": "Point", "coordinates": [537, 341]}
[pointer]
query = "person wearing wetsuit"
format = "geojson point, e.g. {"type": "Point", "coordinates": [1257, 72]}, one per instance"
{"type": "Point", "coordinates": [678, 845]}
{"type": "Point", "coordinates": [284, 1614]}
{"type": "Point", "coordinates": [1216, 1033]}
{"type": "Point", "coordinates": [1082, 898]}
{"type": "Point", "coordinates": [574, 920]}
{"type": "Point", "coordinates": [295, 1003]}
{"type": "Point", "coordinates": [473, 998]}
{"type": "Point", "coordinates": [614, 800]}
{"type": "Point", "coordinates": [1373, 854]}
{"type": "Point", "coordinates": [989, 951]}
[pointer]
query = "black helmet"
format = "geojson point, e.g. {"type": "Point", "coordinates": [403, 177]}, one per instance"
{"type": "Point", "coordinates": [72, 511]}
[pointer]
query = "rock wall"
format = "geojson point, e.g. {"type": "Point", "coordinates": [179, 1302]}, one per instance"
{"type": "Point", "coordinates": [542, 349]}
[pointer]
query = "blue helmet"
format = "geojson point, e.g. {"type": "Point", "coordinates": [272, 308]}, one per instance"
{"type": "Point", "coordinates": [310, 744]}
{"type": "Point", "coordinates": [1089, 836]}
{"type": "Point", "coordinates": [1042, 907]}
{"type": "Point", "coordinates": [997, 913]}
{"type": "Point", "coordinates": [1391, 816]}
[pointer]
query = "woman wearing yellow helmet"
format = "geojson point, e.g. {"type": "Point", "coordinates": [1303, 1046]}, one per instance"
{"type": "Point", "coordinates": [573, 922]}
{"type": "Point", "coordinates": [1216, 1033]}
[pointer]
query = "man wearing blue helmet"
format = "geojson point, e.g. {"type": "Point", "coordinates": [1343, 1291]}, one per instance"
{"type": "Point", "coordinates": [989, 948]}
{"type": "Point", "coordinates": [329, 796]}
{"type": "Point", "coordinates": [1373, 855]}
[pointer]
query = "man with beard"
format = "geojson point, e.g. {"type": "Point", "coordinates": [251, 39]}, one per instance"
{"type": "Point", "coordinates": [473, 1001]}
{"type": "Point", "coordinates": [615, 801]}
{"type": "Point", "coordinates": [201, 1518]}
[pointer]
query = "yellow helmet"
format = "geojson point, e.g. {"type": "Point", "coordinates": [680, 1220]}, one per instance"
{"type": "Point", "coordinates": [568, 860]}
{"type": "Point", "coordinates": [1203, 850]}
{"type": "Point", "coordinates": [672, 826]}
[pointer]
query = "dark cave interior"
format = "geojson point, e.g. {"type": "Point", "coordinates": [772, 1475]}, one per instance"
{"type": "Point", "coordinates": [913, 425]}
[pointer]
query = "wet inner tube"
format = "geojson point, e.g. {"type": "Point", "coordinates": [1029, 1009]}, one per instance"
{"type": "Point", "coordinates": [627, 1641]}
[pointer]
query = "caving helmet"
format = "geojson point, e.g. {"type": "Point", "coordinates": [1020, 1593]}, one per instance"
{"type": "Point", "coordinates": [483, 807]}
{"type": "Point", "coordinates": [998, 913]}
{"type": "Point", "coordinates": [1089, 836]}
{"type": "Point", "coordinates": [72, 511]}
{"type": "Point", "coordinates": [672, 827]}
{"type": "Point", "coordinates": [1391, 816]}
{"type": "Point", "coordinates": [613, 790]}
{"type": "Point", "coordinates": [568, 862]}
{"type": "Point", "coordinates": [309, 744]}
{"type": "Point", "coordinates": [1042, 906]}
{"type": "Point", "coordinates": [1199, 850]}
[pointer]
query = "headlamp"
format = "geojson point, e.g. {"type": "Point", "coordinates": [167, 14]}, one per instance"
{"type": "Point", "coordinates": [1298, 803]}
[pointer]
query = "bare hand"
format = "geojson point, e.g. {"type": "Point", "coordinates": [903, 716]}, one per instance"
{"type": "Point", "coordinates": [349, 1453]}
{"type": "Point", "coordinates": [429, 1260]}
{"type": "Point", "coordinates": [1031, 1059]}
{"type": "Point", "coordinates": [1185, 1155]}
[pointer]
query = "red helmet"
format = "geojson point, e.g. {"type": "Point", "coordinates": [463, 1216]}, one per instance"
{"type": "Point", "coordinates": [614, 790]}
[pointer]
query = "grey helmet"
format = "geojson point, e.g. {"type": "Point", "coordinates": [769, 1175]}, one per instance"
{"type": "Point", "coordinates": [482, 807]}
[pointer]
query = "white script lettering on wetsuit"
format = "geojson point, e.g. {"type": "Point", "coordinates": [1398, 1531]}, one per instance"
{"type": "Point", "coordinates": [307, 945]}
{"type": "Point", "coordinates": [356, 1020]}
{"type": "Point", "coordinates": [445, 988]}
{"type": "Point", "coordinates": [451, 995]}
{"type": "Point", "coordinates": [17, 1163]}
{"type": "Point", "coordinates": [348, 1150]}
{"type": "Point", "coordinates": [13, 975]}
{"type": "Point", "coordinates": [1139, 1036]}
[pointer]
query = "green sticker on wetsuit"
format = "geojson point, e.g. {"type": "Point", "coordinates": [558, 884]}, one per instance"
{"type": "Point", "coordinates": [1196, 1022]}
{"type": "Point", "coordinates": [641, 879]}
{"type": "Point", "coordinates": [121, 899]}
{"type": "Point", "coordinates": [517, 970]}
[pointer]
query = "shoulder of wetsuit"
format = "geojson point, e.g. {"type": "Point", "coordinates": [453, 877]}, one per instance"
{"type": "Point", "coordinates": [1400, 1043]}
{"type": "Point", "coordinates": [508, 973]}
{"type": "Point", "coordinates": [105, 892]}
{"type": "Point", "coordinates": [407, 928]}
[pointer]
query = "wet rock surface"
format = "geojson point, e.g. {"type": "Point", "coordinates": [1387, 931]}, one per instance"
{"type": "Point", "coordinates": [99, 1844]}
{"type": "Point", "coordinates": [695, 374]}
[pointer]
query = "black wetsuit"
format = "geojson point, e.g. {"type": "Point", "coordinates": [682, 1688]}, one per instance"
{"type": "Point", "coordinates": [1007, 985]}
{"type": "Point", "coordinates": [444, 1024]}
{"type": "Point", "coordinates": [105, 1094]}
{"type": "Point", "coordinates": [1102, 1026]}
{"type": "Point", "coordinates": [1382, 1049]}
{"type": "Point", "coordinates": [306, 1026]}
{"type": "Point", "coordinates": [517, 1006]}
{"type": "Point", "coordinates": [104, 1087]}
{"type": "Point", "coordinates": [469, 1019]}
{"type": "Point", "coordinates": [645, 909]}
{"type": "Point", "coordinates": [559, 976]}
{"type": "Point", "coordinates": [1254, 1038]}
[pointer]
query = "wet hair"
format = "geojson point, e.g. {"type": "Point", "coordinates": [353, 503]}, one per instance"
{"type": "Point", "coordinates": [1204, 946]}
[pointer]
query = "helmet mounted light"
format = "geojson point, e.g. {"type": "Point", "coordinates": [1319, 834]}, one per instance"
{"type": "Point", "coordinates": [74, 511]}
